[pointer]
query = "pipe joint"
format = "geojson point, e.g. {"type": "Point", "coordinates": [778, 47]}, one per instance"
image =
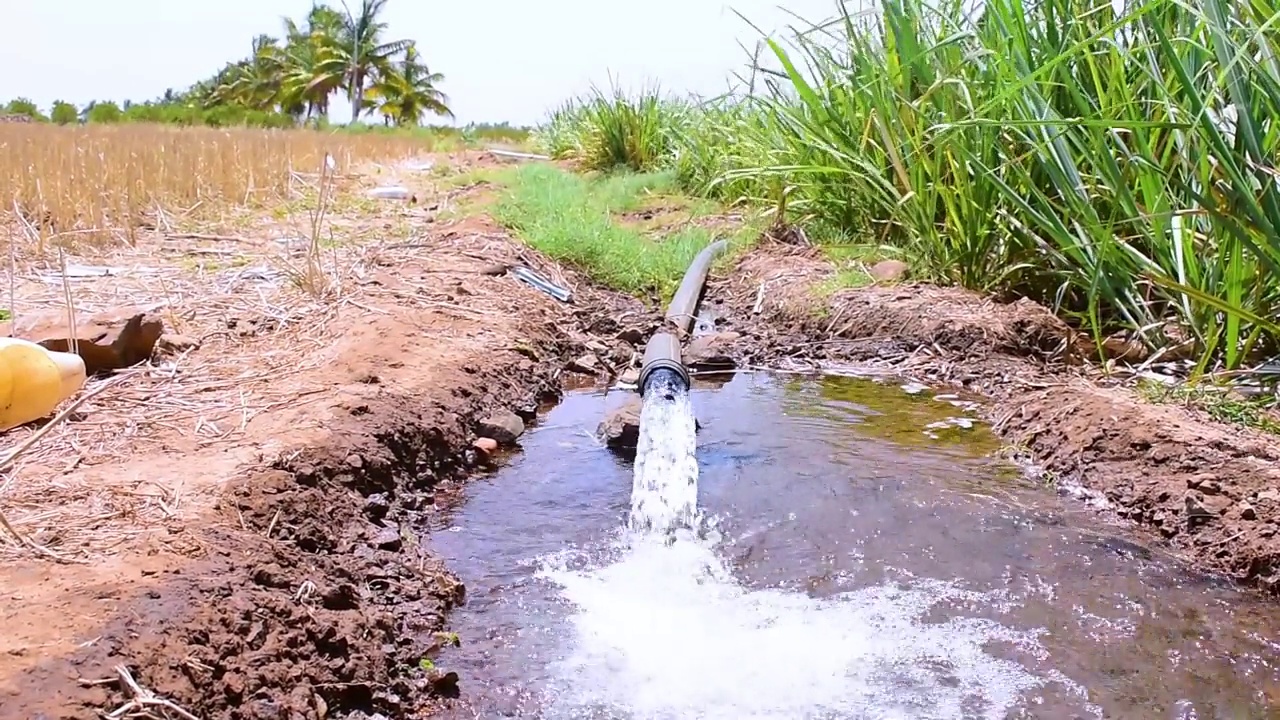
{"type": "Point", "coordinates": [662, 353]}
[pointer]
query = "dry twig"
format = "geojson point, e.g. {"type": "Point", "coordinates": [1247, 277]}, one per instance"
{"type": "Point", "coordinates": [144, 703]}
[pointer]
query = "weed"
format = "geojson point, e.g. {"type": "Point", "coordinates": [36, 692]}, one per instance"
{"type": "Point", "coordinates": [1220, 402]}
{"type": "Point", "coordinates": [310, 275]}
{"type": "Point", "coordinates": [571, 218]}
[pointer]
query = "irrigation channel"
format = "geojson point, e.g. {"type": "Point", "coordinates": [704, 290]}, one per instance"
{"type": "Point", "coordinates": [822, 548]}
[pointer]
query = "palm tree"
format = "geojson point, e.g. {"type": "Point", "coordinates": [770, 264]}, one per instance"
{"type": "Point", "coordinates": [361, 48]}
{"type": "Point", "coordinates": [407, 90]}
{"type": "Point", "coordinates": [314, 70]}
{"type": "Point", "coordinates": [329, 51]}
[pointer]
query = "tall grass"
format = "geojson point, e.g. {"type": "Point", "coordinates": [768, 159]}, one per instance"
{"type": "Point", "coordinates": [1119, 168]}
{"type": "Point", "coordinates": [611, 130]}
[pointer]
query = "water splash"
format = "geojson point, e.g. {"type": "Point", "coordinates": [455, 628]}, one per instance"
{"type": "Point", "coordinates": [664, 491]}
{"type": "Point", "coordinates": [661, 629]}
{"type": "Point", "coordinates": [665, 632]}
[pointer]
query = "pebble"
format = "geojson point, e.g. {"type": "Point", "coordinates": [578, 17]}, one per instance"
{"type": "Point", "coordinates": [914, 388]}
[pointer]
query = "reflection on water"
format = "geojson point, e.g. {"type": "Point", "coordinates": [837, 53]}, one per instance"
{"type": "Point", "coordinates": [858, 569]}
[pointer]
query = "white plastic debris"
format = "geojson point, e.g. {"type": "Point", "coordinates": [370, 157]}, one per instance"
{"type": "Point", "coordinates": [390, 192]}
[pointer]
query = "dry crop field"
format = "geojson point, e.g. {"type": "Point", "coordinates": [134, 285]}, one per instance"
{"type": "Point", "coordinates": [106, 184]}
{"type": "Point", "coordinates": [283, 311]}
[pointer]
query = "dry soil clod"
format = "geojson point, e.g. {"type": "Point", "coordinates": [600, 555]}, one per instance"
{"type": "Point", "coordinates": [109, 340]}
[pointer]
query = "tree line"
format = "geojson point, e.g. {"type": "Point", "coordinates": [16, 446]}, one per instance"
{"type": "Point", "coordinates": [289, 80]}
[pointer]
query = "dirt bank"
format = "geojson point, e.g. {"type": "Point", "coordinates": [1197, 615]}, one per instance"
{"type": "Point", "coordinates": [1209, 492]}
{"type": "Point", "coordinates": [243, 536]}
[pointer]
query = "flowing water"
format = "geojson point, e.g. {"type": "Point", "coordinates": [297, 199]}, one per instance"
{"type": "Point", "coordinates": [835, 549]}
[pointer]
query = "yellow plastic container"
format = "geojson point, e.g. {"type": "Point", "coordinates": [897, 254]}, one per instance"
{"type": "Point", "coordinates": [34, 381]}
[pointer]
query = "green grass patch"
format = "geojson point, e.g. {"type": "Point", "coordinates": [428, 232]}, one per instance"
{"type": "Point", "coordinates": [1219, 402]}
{"type": "Point", "coordinates": [572, 218]}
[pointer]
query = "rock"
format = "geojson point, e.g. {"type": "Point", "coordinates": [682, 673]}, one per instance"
{"type": "Point", "coordinates": [888, 271]}
{"type": "Point", "coordinates": [106, 341]}
{"type": "Point", "coordinates": [444, 684]}
{"type": "Point", "coordinates": [1269, 496]}
{"type": "Point", "coordinates": [630, 376]}
{"type": "Point", "coordinates": [632, 336]}
{"type": "Point", "coordinates": [1125, 348]}
{"type": "Point", "coordinates": [176, 344]}
{"type": "Point", "coordinates": [711, 350]}
{"type": "Point", "coordinates": [486, 445]}
{"type": "Point", "coordinates": [376, 507]}
{"type": "Point", "coordinates": [1247, 512]}
{"type": "Point", "coordinates": [388, 538]}
{"type": "Point", "coordinates": [621, 425]}
{"type": "Point", "coordinates": [588, 364]}
{"type": "Point", "coordinates": [504, 426]}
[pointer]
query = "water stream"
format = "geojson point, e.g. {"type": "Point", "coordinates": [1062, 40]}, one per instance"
{"type": "Point", "coordinates": [835, 549]}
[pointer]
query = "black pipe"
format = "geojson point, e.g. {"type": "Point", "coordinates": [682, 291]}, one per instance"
{"type": "Point", "coordinates": [662, 353]}
{"type": "Point", "coordinates": [683, 309]}
{"type": "Point", "coordinates": [663, 350]}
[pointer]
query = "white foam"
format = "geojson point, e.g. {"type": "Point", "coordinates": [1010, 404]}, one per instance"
{"type": "Point", "coordinates": [661, 630]}
{"type": "Point", "coordinates": [665, 632]}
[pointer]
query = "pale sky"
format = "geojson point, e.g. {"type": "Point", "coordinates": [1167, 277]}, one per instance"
{"type": "Point", "coordinates": [509, 60]}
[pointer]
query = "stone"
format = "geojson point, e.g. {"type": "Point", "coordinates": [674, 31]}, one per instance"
{"type": "Point", "coordinates": [388, 538]}
{"type": "Point", "coordinates": [486, 445]}
{"type": "Point", "coordinates": [711, 350]}
{"type": "Point", "coordinates": [631, 336]}
{"type": "Point", "coordinates": [1247, 512]}
{"type": "Point", "coordinates": [376, 506]}
{"type": "Point", "coordinates": [503, 426]}
{"type": "Point", "coordinates": [1124, 348]}
{"type": "Point", "coordinates": [630, 376]}
{"type": "Point", "coordinates": [176, 344]}
{"type": "Point", "coordinates": [621, 425]}
{"type": "Point", "coordinates": [588, 364]}
{"type": "Point", "coordinates": [888, 271]}
{"type": "Point", "coordinates": [108, 340]}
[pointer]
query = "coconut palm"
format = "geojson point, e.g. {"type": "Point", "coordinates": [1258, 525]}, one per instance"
{"type": "Point", "coordinates": [407, 90]}
{"type": "Point", "coordinates": [363, 52]}
{"type": "Point", "coordinates": [331, 50]}
{"type": "Point", "coordinates": [313, 69]}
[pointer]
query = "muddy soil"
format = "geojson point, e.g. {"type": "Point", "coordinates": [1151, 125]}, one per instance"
{"type": "Point", "coordinates": [1207, 491]}
{"type": "Point", "coordinates": [294, 582]}
{"type": "Point", "coordinates": [278, 571]}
